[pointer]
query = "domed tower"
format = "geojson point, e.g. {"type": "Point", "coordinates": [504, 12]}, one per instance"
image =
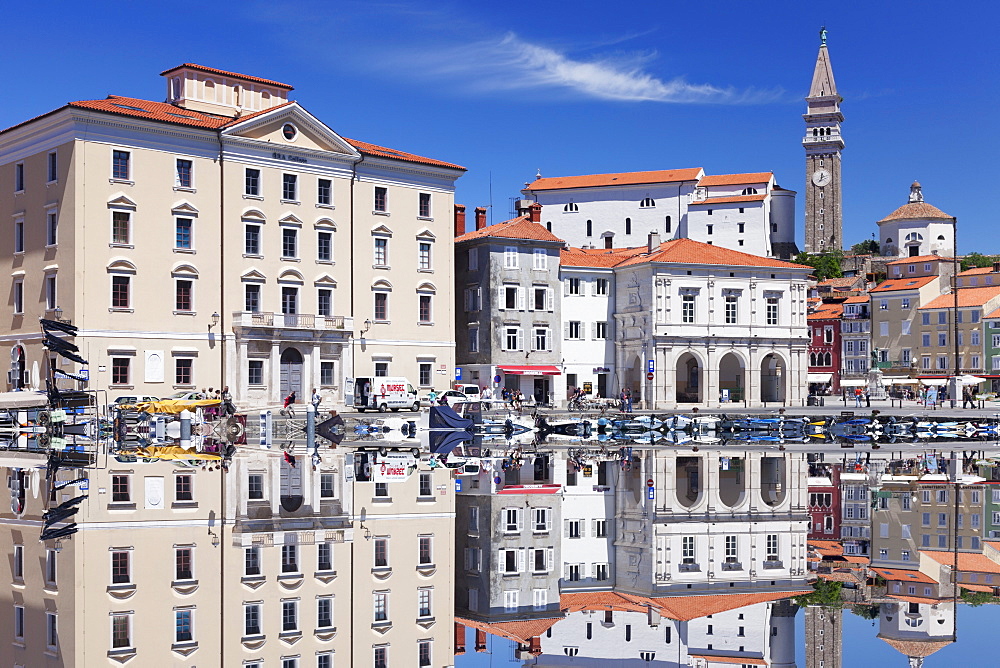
{"type": "Point", "coordinates": [917, 228]}
{"type": "Point", "coordinates": [917, 630]}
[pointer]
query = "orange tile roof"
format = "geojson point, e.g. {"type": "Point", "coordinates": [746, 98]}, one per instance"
{"type": "Point", "coordinates": [976, 271]}
{"type": "Point", "coordinates": [169, 113]}
{"type": "Point", "coordinates": [515, 228]}
{"type": "Point", "coordinates": [520, 630]}
{"type": "Point", "coordinates": [896, 284]}
{"type": "Point", "coordinates": [920, 258]}
{"type": "Point", "coordinates": [598, 257]}
{"type": "Point", "coordinates": [234, 75]}
{"type": "Point", "coordinates": [619, 179]}
{"type": "Point", "coordinates": [859, 299]}
{"type": "Point", "coordinates": [678, 608]}
{"type": "Point", "coordinates": [735, 179]}
{"type": "Point", "coordinates": [975, 587]}
{"type": "Point", "coordinates": [917, 211]}
{"type": "Point", "coordinates": [971, 562]}
{"type": "Point", "coordinates": [734, 199]}
{"type": "Point", "coordinates": [826, 312]}
{"type": "Point", "coordinates": [966, 297]}
{"type": "Point", "coordinates": [842, 575]}
{"type": "Point", "coordinates": [918, 648]}
{"type": "Point", "coordinates": [901, 575]}
{"type": "Point", "coordinates": [742, 660]}
{"type": "Point", "coordinates": [826, 547]}
{"type": "Point", "coordinates": [994, 314]}
{"type": "Point", "coordinates": [689, 251]}
{"type": "Point", "coordinates": [915, 599]}
{"type": "Point", "coordinates": [842, 282]}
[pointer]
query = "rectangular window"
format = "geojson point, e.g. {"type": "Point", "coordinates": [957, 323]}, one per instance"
{"type": "Point", "coordinates": [512, 338]}
{"type": "Point", "coordinates": [424, 206]}
{"type": "Point", "coordinates": [731, 312]}
{"type": "Point", "coordinates": [251, 561]}
{"type": "Point", "coordinates": [51, 228]}
{"type": "Point", "coordinates": [424, 552]}
{"type": "Point", "coordinates": [574, 329]}
{"type": "Point", "coordinates": [324, 613]}
{"type": "Point", "coordinates": [324, 246]}
{"type": "Point", "coordinates": [19, 622]}
{"type": "Point", "coordinates": [289, 243]}
{"type": "Point", "coordinates": [53, 167]}
{"type": "Point", "coordinates": [121, 632]}
{"type": "Point", "coordinates": [252, 183]}
{"type": "Point", "coordinates": [381, 252]}
{"type": "Point", "coordinates": [289, 300]}
{"type": "Point", "coordinates": [18, 296]}
{"type": "Point", "coordinates": [381, 306]}
{"type": "Point", "coordinates": [510, 601]}
{"type": "Point", "coordinates": [251, 301]}
{"type": "Point", "coordinates": [183, 295]}
{"type": "Point", "coordinates": [120, 370]}
{"type": "Point", "coordinates": [120, 489]}
{"type": "Point", "coordinates": [184, 371]}
{"type": "Point", "coordinates": [121, 227]}
{"type": "Point", "coordinates": [251, 245]}
{"type": "Point", "coordinates": [183, 236]}
{"type": "Point", "coordinates": [51, 630]}
{"type": "Point", "coordinates": [687, 549]}
{"type": "Point", "coordinates": [290, 187]}
{"type": "Point", "coordinates": [183, 568]}
{"type": "Point", "coordinates": [942, 339]}
{"type": "Point", "coordinates": [51, 571]}
{"type": "Point", "coordinates": [324, 192]}
{"type": "Point", "coordinates": [50, 292]}
{"type": "Point", "coordinates": [687, 308]}
{"type": "Point", "coordinates": [424, 256]}
{"type": "Point", "coordinates": [540, 259]}
{"type": "Point", "coordinates": [290, 558]}
{"type": "Point", "coordinates": [183, 628]}
{"type": "Point", "coordinates": [541, 339]}
{"type": "Point", "coordinates": [251, 620]}
{"type": "Point", "coordinates": [473, 339]}
{"type": "Point", "coordinates": [600, 330]}
{"type": "Point", "coordinates": [120, 571]}
{"type": "Point", "coordinates": [289, 616]}
{"type": "Point", "coordinates": [573, 286]}
{"type": "Point", "coordinates": [381, 605]}
{"type": "Point", "coordinates": [423, 653]}
{"type": "Point", "coordinates": [424, 309]}
{"type": "Point", "coordinates": [381, 553]}
{"type": "Point", "coordinates": [326, 373]}
{"type": "Point", "coordinates": [324, 557]}
{"type": "Point", "coordinates": [182, 488]}
{"type": "Point", "coordinates": [19, 177]}
{"type": "Point", "coordinates": [772, 310]}
{"type": "Point", "coordinates": [19, 236]}
{"type": "Point", "coordinates": [381, 199]}
{"type": "Point", "coordinates": [771, 547]}
{"type": "Point", "coordinates": [423, 603]}
{"type": "Point", "coordinates": [184, 174]}
{"type": "Point", "coordinates": [474, 518]}
{"type": "Point", "coordinates": [120, 167]}
{"type": "Point", "coordinates": [324, 302]}
{"type": "Point", "coordinates": [510, 257]}
{"type": "Point", "coordinates": [512, 520]}
{"type": "Point", "coordinates": [942, 318]}
{"type": "Point", "coordinates": [473, 259]}
{"type": "Point", "coordinates": [425, 374]}
{"type": "Point", "coordinates": [381, 657]}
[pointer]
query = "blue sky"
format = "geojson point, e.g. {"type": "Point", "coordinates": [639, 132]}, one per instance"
{"type": "Point", "coordinates": [510, 88]}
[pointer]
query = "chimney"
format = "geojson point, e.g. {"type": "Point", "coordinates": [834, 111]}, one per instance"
{"type": "Point", "coordinates": [535, 646]}
{"type": "Point", "coordinates": [480, 640]}
{"type": "Point", "coordinates": [654, 241]}
{"type": "Point", "coordinates": [535, 211]}
{"type": "Point", "coordinates": [480, 217]}
{"type": "Point", "coordinates": [522, 206]}
{"type": "Point", "coordinates": [459, 638]}
{"type": "Point", "coordinates": [996, 267]}
{"type": "Point", "coordinates": [459, 220]}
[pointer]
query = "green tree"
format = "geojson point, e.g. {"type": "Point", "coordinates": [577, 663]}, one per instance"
{"type": "Point", "coordinates": [825, 593]}
{"type": "Point", "coordinates": [978, 260]}
{"type": "Point", "coordinates": [977, 598]}
{"type": "Point", "coordinates": [826, 265]}
{"type": "Point", "coordinates": [865, 611]}
{"type": "Point", "coordinates": [866, 247]}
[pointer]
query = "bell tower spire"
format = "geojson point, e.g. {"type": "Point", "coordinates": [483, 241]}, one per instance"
{"type": "Point", "coordinates": [823, 144]}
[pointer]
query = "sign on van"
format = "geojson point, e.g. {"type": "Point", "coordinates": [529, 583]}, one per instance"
{"type": "Point", "coordinates": [393, 467]}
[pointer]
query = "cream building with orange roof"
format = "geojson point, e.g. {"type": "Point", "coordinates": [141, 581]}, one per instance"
{"type": "Point", "coordinates": [271, 240]}
{"type": "Point", "coordinates": [917, 228]}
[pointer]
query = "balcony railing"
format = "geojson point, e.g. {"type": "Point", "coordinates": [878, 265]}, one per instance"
{"type": "Point", "coordinates": [288, 320]}
{"type": "Point", "coordinates": [857, 316]}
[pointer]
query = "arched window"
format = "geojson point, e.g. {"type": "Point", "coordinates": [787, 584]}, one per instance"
{"type": "Point", "coordinates": [940, 237]}
{"type": "Point", "coordinates": [548, 226]}
{"type": "Point", "coordinates": [209, 90]}
{"type": "Point", "coordinates": [571, 208]}
{"type": "Point", "coordinates": [647, 203]}
{"type": "Point", "coordinates": [628, 226]}
{"type": "Point", "coordinates": [828, 360]}
{"type": "Point", "coordinates": [590, 228]}
{"type": "Point", "coordinates": [749, 191]}
{"type": "Point", "coordinates": [666, 227]}
{"type": "Point", "coordinates": [815, 132]}
{"type": "Point", "coordinates": [812, 359]}
{"type": "Point", "coordinates": [888, 240]}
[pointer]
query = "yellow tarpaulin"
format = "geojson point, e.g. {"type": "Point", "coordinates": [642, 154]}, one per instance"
{"type": "Point", "coordinates": [174, 452]}
{"type": "Point", "coordinates": [172, 406]}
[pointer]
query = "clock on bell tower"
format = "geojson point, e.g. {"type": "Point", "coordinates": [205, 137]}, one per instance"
{"type": "Point", "coordinates": [823, 144]}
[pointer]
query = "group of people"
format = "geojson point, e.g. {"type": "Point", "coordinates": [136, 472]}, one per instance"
{"type": "Point", "coordinates": [289, 405]}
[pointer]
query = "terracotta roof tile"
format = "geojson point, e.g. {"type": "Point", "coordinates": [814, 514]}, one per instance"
{"type": "Point", "coordinates": [734, 199]}
{"type": "Point", "coordinates": [970, 562]}
{"type": "Point", "coordinates": [598, 257]}
{"type": "Point", "coordinates": [826, 547]}
{"type": "Point", "coordinates": [843, 282]}
{"type": "Point", "coordinates": [741, 660]}
{"type": "Point", "coordinates": [994, 314]}
{"type": "Point", "coordinates": [919, 258]}
{"type": "Point", "coordinates": [975, 271]}
{"type": "Point", "coordinates": [919, 648]}
{"type": "Point", "coordinates": [859, 299]}
{"type": "Point", "coordinates": [917, 211]}
{"type": "Point", "coordinates": [916, 599]}
{"type": "Point", "coordinates": [515, 228]}
{"type": "Point", "coordinates": [619, 179]}
{"type": "Point", "coordinates": [901, 575]}
{"type": "Point", "coordinates": [735, 179]}
{"type": "Point", "coordinates": [519, 630]}
{"type": "Point", "coordinates": [234, 75]}
{"type": "Point", "coordinates": [383, 152]}
{"type": "Point", "coordinates": [966, 297]}
{"type": "Point", "coordinates": [974, 587]}
{"type": "Point", "coordinates": [826, 312]}
{"type": "Point", "coordinates": [690, 251]}
{"type": "Point", "coordinates": [678, 608]}
{"type": "Point", "coordinates": [897, 284]}
{"type": "Point", "coordinates": [842, 575]}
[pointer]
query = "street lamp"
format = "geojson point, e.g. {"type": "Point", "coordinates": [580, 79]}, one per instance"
{"type": "Point", "coordinates": [366, 326]}
{"type": "Point", "coordinates": [215, 319]}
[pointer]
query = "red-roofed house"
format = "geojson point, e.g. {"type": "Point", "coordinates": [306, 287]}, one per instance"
{"type": "Point", "coordinates": [824, 348]}
{"type": "Point", "coordinates": [232, 203]}
{"type": "Point", "coordinates": [745, 212]}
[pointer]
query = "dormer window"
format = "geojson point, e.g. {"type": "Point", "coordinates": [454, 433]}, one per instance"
{"type": "Point", "coordinates": [647, 203]}
{"type": "Point", "coordinates": [749, 191]}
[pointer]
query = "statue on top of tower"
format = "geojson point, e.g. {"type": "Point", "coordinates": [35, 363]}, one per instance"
{"type": "Point", "coordinates": [916, 192]}
{"type": "Point", "coordinates": [822, 36]}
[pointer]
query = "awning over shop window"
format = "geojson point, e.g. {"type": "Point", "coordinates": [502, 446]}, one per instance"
{"type": "Point", "coordinates": [853, 383]}
{"type": "Point", "coordinates": [819, 377]}
{"type": "Point", "coordinates": [901, 381]}
{"type": "Point", "coordinates": [530, 489]}
{"type": "Point", "coordinates": [529, 370]}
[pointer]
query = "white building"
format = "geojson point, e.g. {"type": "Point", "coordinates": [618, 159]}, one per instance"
{"type": "Point", "coordinates": [917, 229]}
{"type": "Point", "coordinates": [746, 212]}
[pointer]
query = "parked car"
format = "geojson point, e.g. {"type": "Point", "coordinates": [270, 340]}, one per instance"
{"type": "Point", "coordinates": [453, 396]}
{"type": "Point", "coordinates": [187, 395]}
{"type": "Point", "coordinates": [133, 399]}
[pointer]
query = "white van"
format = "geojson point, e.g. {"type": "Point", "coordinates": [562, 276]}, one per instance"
{"type": "Point", "coordinates": [469, 390]}
{"type": "Point", "coordinates": [384, 393]}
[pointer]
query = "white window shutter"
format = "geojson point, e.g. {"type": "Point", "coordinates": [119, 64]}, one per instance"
{"type": "Point", "coordinates": [520, 519]}
{"type": "Point", "coordinates": [593, 527]}
{"type": "Point", "coordinates": [520, 298]}
{"type": "Point", "coordinates": [548, 519]}
{"type": "Point", "coordinates": [501, 560]}
{"type": "Point", "coordinates": [501, 298]}
{"type": "Point", "coordinates": [520, 559]}
{"type": "Point", "coordinates": [520, 343]}
{"type": "Point", "coordinates": [565, 573]}
{"type": "Point", "coordinates": [566, 287]}
{"type": "Point", "coordinates": [550, 298]}
{"type": "Point", "coordinates": [565, 330]}
{"type": "Point", "coordinates": [565, 528]}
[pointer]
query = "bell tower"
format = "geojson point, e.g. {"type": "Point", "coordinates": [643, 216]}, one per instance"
{"type": "Point", "coordinates": [823, 144]}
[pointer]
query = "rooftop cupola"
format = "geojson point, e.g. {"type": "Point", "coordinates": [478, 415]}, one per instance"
{"type": "Point", "coordinates": [213, 91]}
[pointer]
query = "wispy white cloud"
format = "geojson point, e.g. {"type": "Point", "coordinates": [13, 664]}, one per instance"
{"type": "Point", "coordinates": [512, 63]}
